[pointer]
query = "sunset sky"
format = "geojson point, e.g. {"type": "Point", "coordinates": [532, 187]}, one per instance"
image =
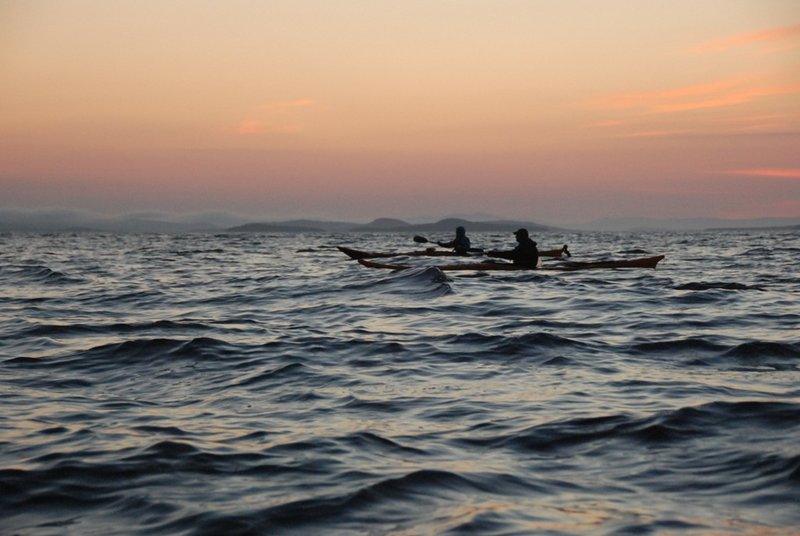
{"type": "Point", "coordinates": [557, 111]}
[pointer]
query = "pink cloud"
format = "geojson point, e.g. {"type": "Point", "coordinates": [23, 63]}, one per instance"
{"type": "Point", "coordinates": [249, 126]}
{"type": "Point", "coordinates": [783, 33]}
{"type": "Point", "coordinates": [781, 173]}
{"type": "Point", "coordinates": [659, 133]}
{"type": "Point", "coordinates": [604, 124]}
{"type": "Point", "coordinates": [288, 105]}
{"type": "Point", "coordinates": [276, 117]}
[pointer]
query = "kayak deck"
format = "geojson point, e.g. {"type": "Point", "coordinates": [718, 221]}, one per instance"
{"type": "Point", "coordinates": [644, 262]}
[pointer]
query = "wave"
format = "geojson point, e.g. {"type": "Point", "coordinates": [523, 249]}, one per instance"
{"type": "Point", "coordinates": [282, 374]}
{"type": "Point", "coordinates": [690, 346]}
{"type": "Point", "coordinates": [378, 445]}
{"type": "Point", "coordinates": [192, 252]}
{"type": "Point", "coordinates": [761, 356]}
{"type": "Point", "coordinates": [702, 285]}
{"type": "Point", "coordinates": [137, 352]}
{"type": "Point", "coordinates": [350, 349]}
{"type": "Point", "coordinates": [477, 346]}
{"type": "Point", "coordinates": [759, 350]}
{"type": "Point", "coordinates": [196, 348]}
{"type": "Point", "coordinates": [752, 355]}
{"type": "Point", "coordinates": [415, 281]}
{"type": "Point", "coordinates": [53, 330]}
{"type": "Point", "coordinates": [128, 298]}
{"type": "Point", "coordinates": [390, 501]}
{"type": "Point", "coordinates": [37, 273]}
{"type": "Point", "coordinates": [674, 425]}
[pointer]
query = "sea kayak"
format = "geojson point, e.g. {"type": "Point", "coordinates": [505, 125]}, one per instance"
{"type": "Point", "coordinates": [644, 262]}
{"type": "Point", "coordinates": [431, 252]}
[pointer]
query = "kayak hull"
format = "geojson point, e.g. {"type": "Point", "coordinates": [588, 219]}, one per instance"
{"type": "Point", "coordinates": [645, 262]}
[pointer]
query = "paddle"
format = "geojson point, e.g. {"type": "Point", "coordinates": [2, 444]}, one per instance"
{"type": "Point", "coordinates": [422, 240]}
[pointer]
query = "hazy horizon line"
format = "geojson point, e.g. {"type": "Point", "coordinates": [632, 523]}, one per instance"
{"type": "Point", "coordinates": [221, 219]}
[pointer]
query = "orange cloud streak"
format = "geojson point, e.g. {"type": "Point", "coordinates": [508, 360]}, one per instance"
{"type": "Point", "coordinates": [729, 99]}
{"type": "Point", "coordinates": [768, 35]}
{"type": "Point", "coordinates": [712, 95]}
{"type": "Point", "coordinates": [647, 98]}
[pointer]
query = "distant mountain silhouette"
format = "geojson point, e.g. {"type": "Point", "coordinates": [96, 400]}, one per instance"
{"type": "Point", "coordinates": [388, 225]}
{"type": "Point", "coordinates": [328, 226]}
{"type": "Point", "coordinates": [450, 224]}
{"type": "Point", "coordinates": [274, 228]}
{"type": "Point", "coordinates": [383, 224]}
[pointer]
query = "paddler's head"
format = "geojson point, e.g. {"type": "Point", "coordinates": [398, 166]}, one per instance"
{"type": "Point", "coordinates": [521, 234]}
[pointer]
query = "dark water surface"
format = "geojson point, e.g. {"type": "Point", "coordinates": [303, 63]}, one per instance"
{"type": "Point", "coordinates": [264, 384]}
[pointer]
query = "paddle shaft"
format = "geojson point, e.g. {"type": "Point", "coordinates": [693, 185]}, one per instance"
{"type": "Point", "coordinates": [422, 240]}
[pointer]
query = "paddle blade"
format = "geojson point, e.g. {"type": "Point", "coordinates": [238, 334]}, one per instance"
{"type": "Point", "coordinates": [420, 239]}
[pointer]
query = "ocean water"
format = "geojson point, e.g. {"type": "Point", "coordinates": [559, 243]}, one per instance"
{"type": "Point", "coordinates": [265, 384]}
